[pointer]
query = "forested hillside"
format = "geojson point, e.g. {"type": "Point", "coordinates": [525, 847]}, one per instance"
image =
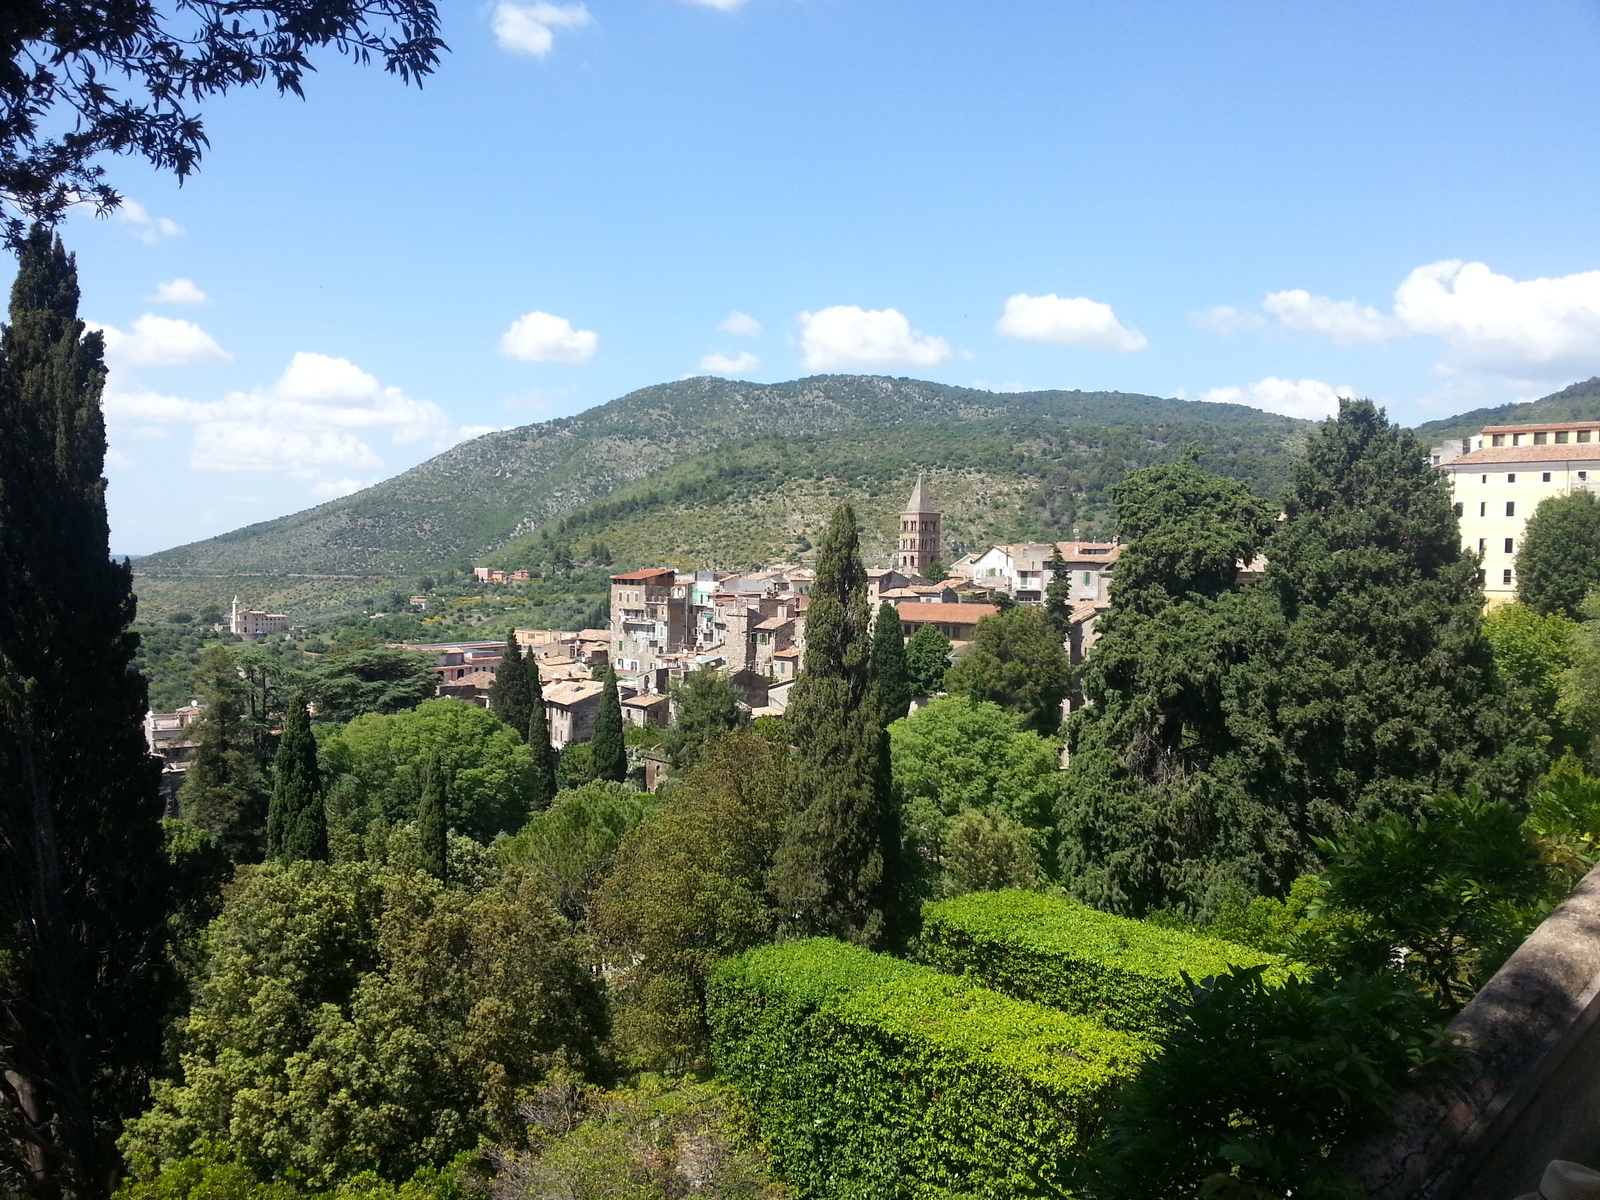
{"type": "Point", "coordinates": [1044, 459]}
{"type": "Point", "coordinates": [1578, 402]}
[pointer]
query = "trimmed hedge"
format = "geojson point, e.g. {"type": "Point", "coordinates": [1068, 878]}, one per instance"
{"type": "Point", "coordinates": [1071, 957]}
{"type": "Point", "coordinates": [874, 1078]}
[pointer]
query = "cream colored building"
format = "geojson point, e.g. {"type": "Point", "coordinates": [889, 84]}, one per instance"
{"type": "Point", "coordinates": [1499, 480]}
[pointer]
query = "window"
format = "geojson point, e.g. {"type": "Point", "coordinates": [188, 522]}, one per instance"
{"type": "Point", "coordinates": [1511, 477]}
{"type": "Point", "coordinates": [1561, 437]}
{"type": "Point", "coordinates": [1511, 508]}
{"type": "Point", "coordinates": [1480, 578]}
{"type": "Point", "coordinates": [1541, 439]}
{"type": "Point", "coordinates": [1499, 439]}
{"type": "Point", "coordinates": [1459, 508]}
{"type": "Point", "coordinates": [1483, 479]}
{"type": "Point", "coordinates": [1509, 546]}
{"type": "Point", "coordinates": [1505, 577]}
{"type": "Point", "coordinates": [1583, 435]}
{"type": "Point", "coordinates": [1483, 508]}
{"type": "Point", "coordinates": [1483, 546]}
{"type": "Point", "coordinates": [1583, 476]}
{"type": "Point", "coordinates": [1545, 478]}
{"type": "Point", "coordinates": [1088, 578]}
{"type": "Point", "coordinates": [1516, 439]}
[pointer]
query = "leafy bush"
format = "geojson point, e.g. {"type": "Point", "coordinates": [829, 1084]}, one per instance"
{"type": "Point", "coordinates": [567, 848]}
{"type": "Point", "coordinates": [217, 1175]}
{"type": "Point", "coordinates": [1258, 1086]}
{"type": "Point", "coordinates": [873, 1077]}
{"type": "Point", "coordinates": [377, 763]}
{"type": "Point", "coordinates": [355, 1018]}
{"type": "Point", "coordinates": [1064, 954]}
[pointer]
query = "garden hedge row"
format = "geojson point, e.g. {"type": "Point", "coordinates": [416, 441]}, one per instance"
{"type": "Point", "coordinates": [1066, 955]}
{"type": "Point", "coordinates": [873, 1078]}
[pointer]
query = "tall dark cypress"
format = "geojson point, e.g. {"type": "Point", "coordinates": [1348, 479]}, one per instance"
{"type": "Point", "coordinates": [837, 869]}
{"type": "Point", "coordinates": [538, 734]}
{"type": "Point", "coordinates": [508, 694]}
{"type": "Point", "coordinates": [609, 750]}
{"type": "Point", "coordinates": [1058, 594]}
{"type": "Point", "coordinates": [82, 874]}
{"type": "Point", "coordinates": [890, 677]}
{"type": "Point", "coordinates": [297, 822]}
{"type": "Point", "coordinates": [433, 819]}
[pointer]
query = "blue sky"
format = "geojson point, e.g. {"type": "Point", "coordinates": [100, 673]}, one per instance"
{"type": "Point", "coordinates": [1266, 202]}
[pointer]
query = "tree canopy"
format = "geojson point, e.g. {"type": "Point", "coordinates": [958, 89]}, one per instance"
{"type": "Point", "coordinates": [1558, 560]}
{"type": "Point", "coordinates": [1016, 660]}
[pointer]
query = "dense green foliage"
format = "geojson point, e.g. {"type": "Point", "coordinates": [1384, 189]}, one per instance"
{"type": "Point", "coordinates": [377, 679]}
{"type": "Point", "coordinates": [509, 695]}
{"type": "Point", "coordinates": [567, 849]}
{"type": "Point", "coordinates": [956, 756]}
{"type": "Point", "coordinates": [82, 884]}
{"type": "Point", "coordinates": [218, 1175]}
{"type": "Point", "coordinates": [1578, 402]}
{"type": "Point", "coordinates": [609, 751]}
{"type": "Point", "coordinates": [690, 886]}
{"type": "Point", "coordinates": [297, 819]}
{"type": "Point", "coordinates": [433, 819]}
{"type": "Point", "coordinates": [839, 869]}
{"type": "Point", "coordinates": [1257, 1088]}
{"type": "Point", "coordinates": [1534, 655]}
{"type": "Point", "coordinates": [706, 707]}
{"type": "Point", "coordinates": [1230, 727]}
{"type": "Point", "coordinates": [927, 660]}
{"type": "Point", "coordinates": [1016, 660]}
{"type": "Point", "coordinates": [891, 678]}
{"type": "Point", "coordinates": [376, 762]}
{"type": "Point", "coordinates": [1056, 952]}
{"type": "Point", "coordinates": [224, 790]}
{"type": "Point", "coordinates": [357, 1018]}
{"type": "Point", "coordinates": [1558, 558]}
{"type": "Point", "coordinates": [872, 1077]}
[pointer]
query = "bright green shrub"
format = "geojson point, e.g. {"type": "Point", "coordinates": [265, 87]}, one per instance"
{"type": "Point", "coordinates": [1072, 957]}
{"type": "Point", "coordinates": [874, 1078]}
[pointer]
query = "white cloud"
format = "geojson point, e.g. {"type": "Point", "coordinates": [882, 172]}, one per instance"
{"type": "Point", "coordinates": [1068, 321]}
{"type": "Point", "coordinates": [531, 28]}
{"type": "Point", "coordinates": [156, 341]}
{"type": "Point", "coordinates": [722, 364]}
{"type": "Point", "coordinates": [179, 291]}
{"type": "Point", "coordinates": [1503, 324]}
{"type": "Point", "coordinates": [1224, 319]}
{"type": "Point", "coordinates": [143, 225]}
{"type": "Point", "coordinates": [740, 325]}
{"type": "Point", "coordinates": [847, 336]}
{"type": "Point", "coordinates": [1308, 398]}
{"type": "Point", "coordinates": [1342, 322]}
{"type": "Point", "coordinates": [544, 337]}
{"type": "Point", "coordinates": [311, 423]}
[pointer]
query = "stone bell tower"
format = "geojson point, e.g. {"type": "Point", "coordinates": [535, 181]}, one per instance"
{"type": "Point", "coordinates": [920, 540]}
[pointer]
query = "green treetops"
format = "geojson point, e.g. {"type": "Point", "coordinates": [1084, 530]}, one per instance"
{"type": "Point", "coordinates": [297, 823]}
{"type": "Point", "coordinates": [927, 660]}
{"type": "Point", "coordinates": [890, 675]}
{"type": "Point", "coordinates": [706, 708]}
{"type": "Point", "coordinates": [377, 762]}
{"type": "Point", "coordinates": [379, 679]}
{"type": "Point", "coordinates": [1558, 561]}
{"type": "Point", "coordinates": [1016, 661]}
{"type": "Point", "coordinates": [223, 790]}
{"type": "Point", "coordinates": [607, 745]}
{"type": "Point", "coordinates": [508, 694]}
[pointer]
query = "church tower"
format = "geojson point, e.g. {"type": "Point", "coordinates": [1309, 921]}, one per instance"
{"type": "Point", "coordinates": [919, 531]}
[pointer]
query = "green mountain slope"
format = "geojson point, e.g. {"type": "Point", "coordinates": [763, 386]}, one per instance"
{"type": "Point", "coordinates": [1580, 402]}
{"type": "Point", "coordinates": [712, 447]}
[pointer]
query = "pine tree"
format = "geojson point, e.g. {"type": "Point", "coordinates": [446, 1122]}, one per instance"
{"type": "Point", "coordinates": [433, 819]}
{"type": "Point", "coordinates": [82, 873]}
{"type": "Point", "coordinates": [890, 677]}
{"type": "Point", "coordinates": [508, 694]}
{"type": "Point", "coordinates": [223, 790]}
{"type": "Point", "coordinates": [538, 734]}
{"type": "Point", "coordinates": [1058, 595]}
{"type": "Point", "coordinates": [837, 869]}
{"type": "Point", "coordinates": [608, 747]}
{"type": "Point", "coordinates": [297, 822]}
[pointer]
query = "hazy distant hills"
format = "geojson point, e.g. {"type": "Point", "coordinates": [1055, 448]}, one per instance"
{"type": "Point", "coordinates": [1580, 402]}
{"type": "Point", "coordinates": [709, 470]}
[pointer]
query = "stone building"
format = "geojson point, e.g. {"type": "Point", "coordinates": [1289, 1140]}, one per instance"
{"type": "Point", "coordinates": [920, 537]}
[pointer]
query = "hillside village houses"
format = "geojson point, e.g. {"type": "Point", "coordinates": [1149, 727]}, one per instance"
{"type": "Point", "coordinates": [1500, 474]}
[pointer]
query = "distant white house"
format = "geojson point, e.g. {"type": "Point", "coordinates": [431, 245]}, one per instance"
{"type": "Point", "coordinates": [1023, 569]}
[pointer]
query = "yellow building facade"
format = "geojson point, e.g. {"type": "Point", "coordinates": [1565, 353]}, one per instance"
{"type": "Point", "coordinates": [1500, 475]}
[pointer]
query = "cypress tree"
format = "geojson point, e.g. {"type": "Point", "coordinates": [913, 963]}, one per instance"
{"type": "Point", "coordinates": [433, 819]}
{"type": "Point", "coordinates": [538, 734]}
{"type": "Point", "coordinates": [223, 790]}
{"type": "Point", "coordinates": [297, 823]}
{"type": "Point", "coordinates": [890, 677]}
{"type": "Point", "coordinates": [609, 750]}
{"type": "Point", "coordinates": [508, 694]}
{"type": "Point", "coordinates": [837, 869]}
{"type": "Point", "coordinates": [82, 872]}
{"type": "Point", "coordinates": [1058, 595]}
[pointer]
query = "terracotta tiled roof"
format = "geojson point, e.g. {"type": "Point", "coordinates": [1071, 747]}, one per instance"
{"type": "Point", "coordinates": [944, 614]}
{"type": "Point", "coordinates": [643, 576]}
{"type": "Point", "coordinates": [1572, 452]}
{"type": "Point", "coordinates": [566, 694]}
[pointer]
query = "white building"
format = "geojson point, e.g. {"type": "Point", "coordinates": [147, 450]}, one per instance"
{"type": "Point", "coordinates": [1500, 479]}
{"type": "Point", "coordinates": [252, 623]}
{"type": "Point", "coordinates": [1022, 569]}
